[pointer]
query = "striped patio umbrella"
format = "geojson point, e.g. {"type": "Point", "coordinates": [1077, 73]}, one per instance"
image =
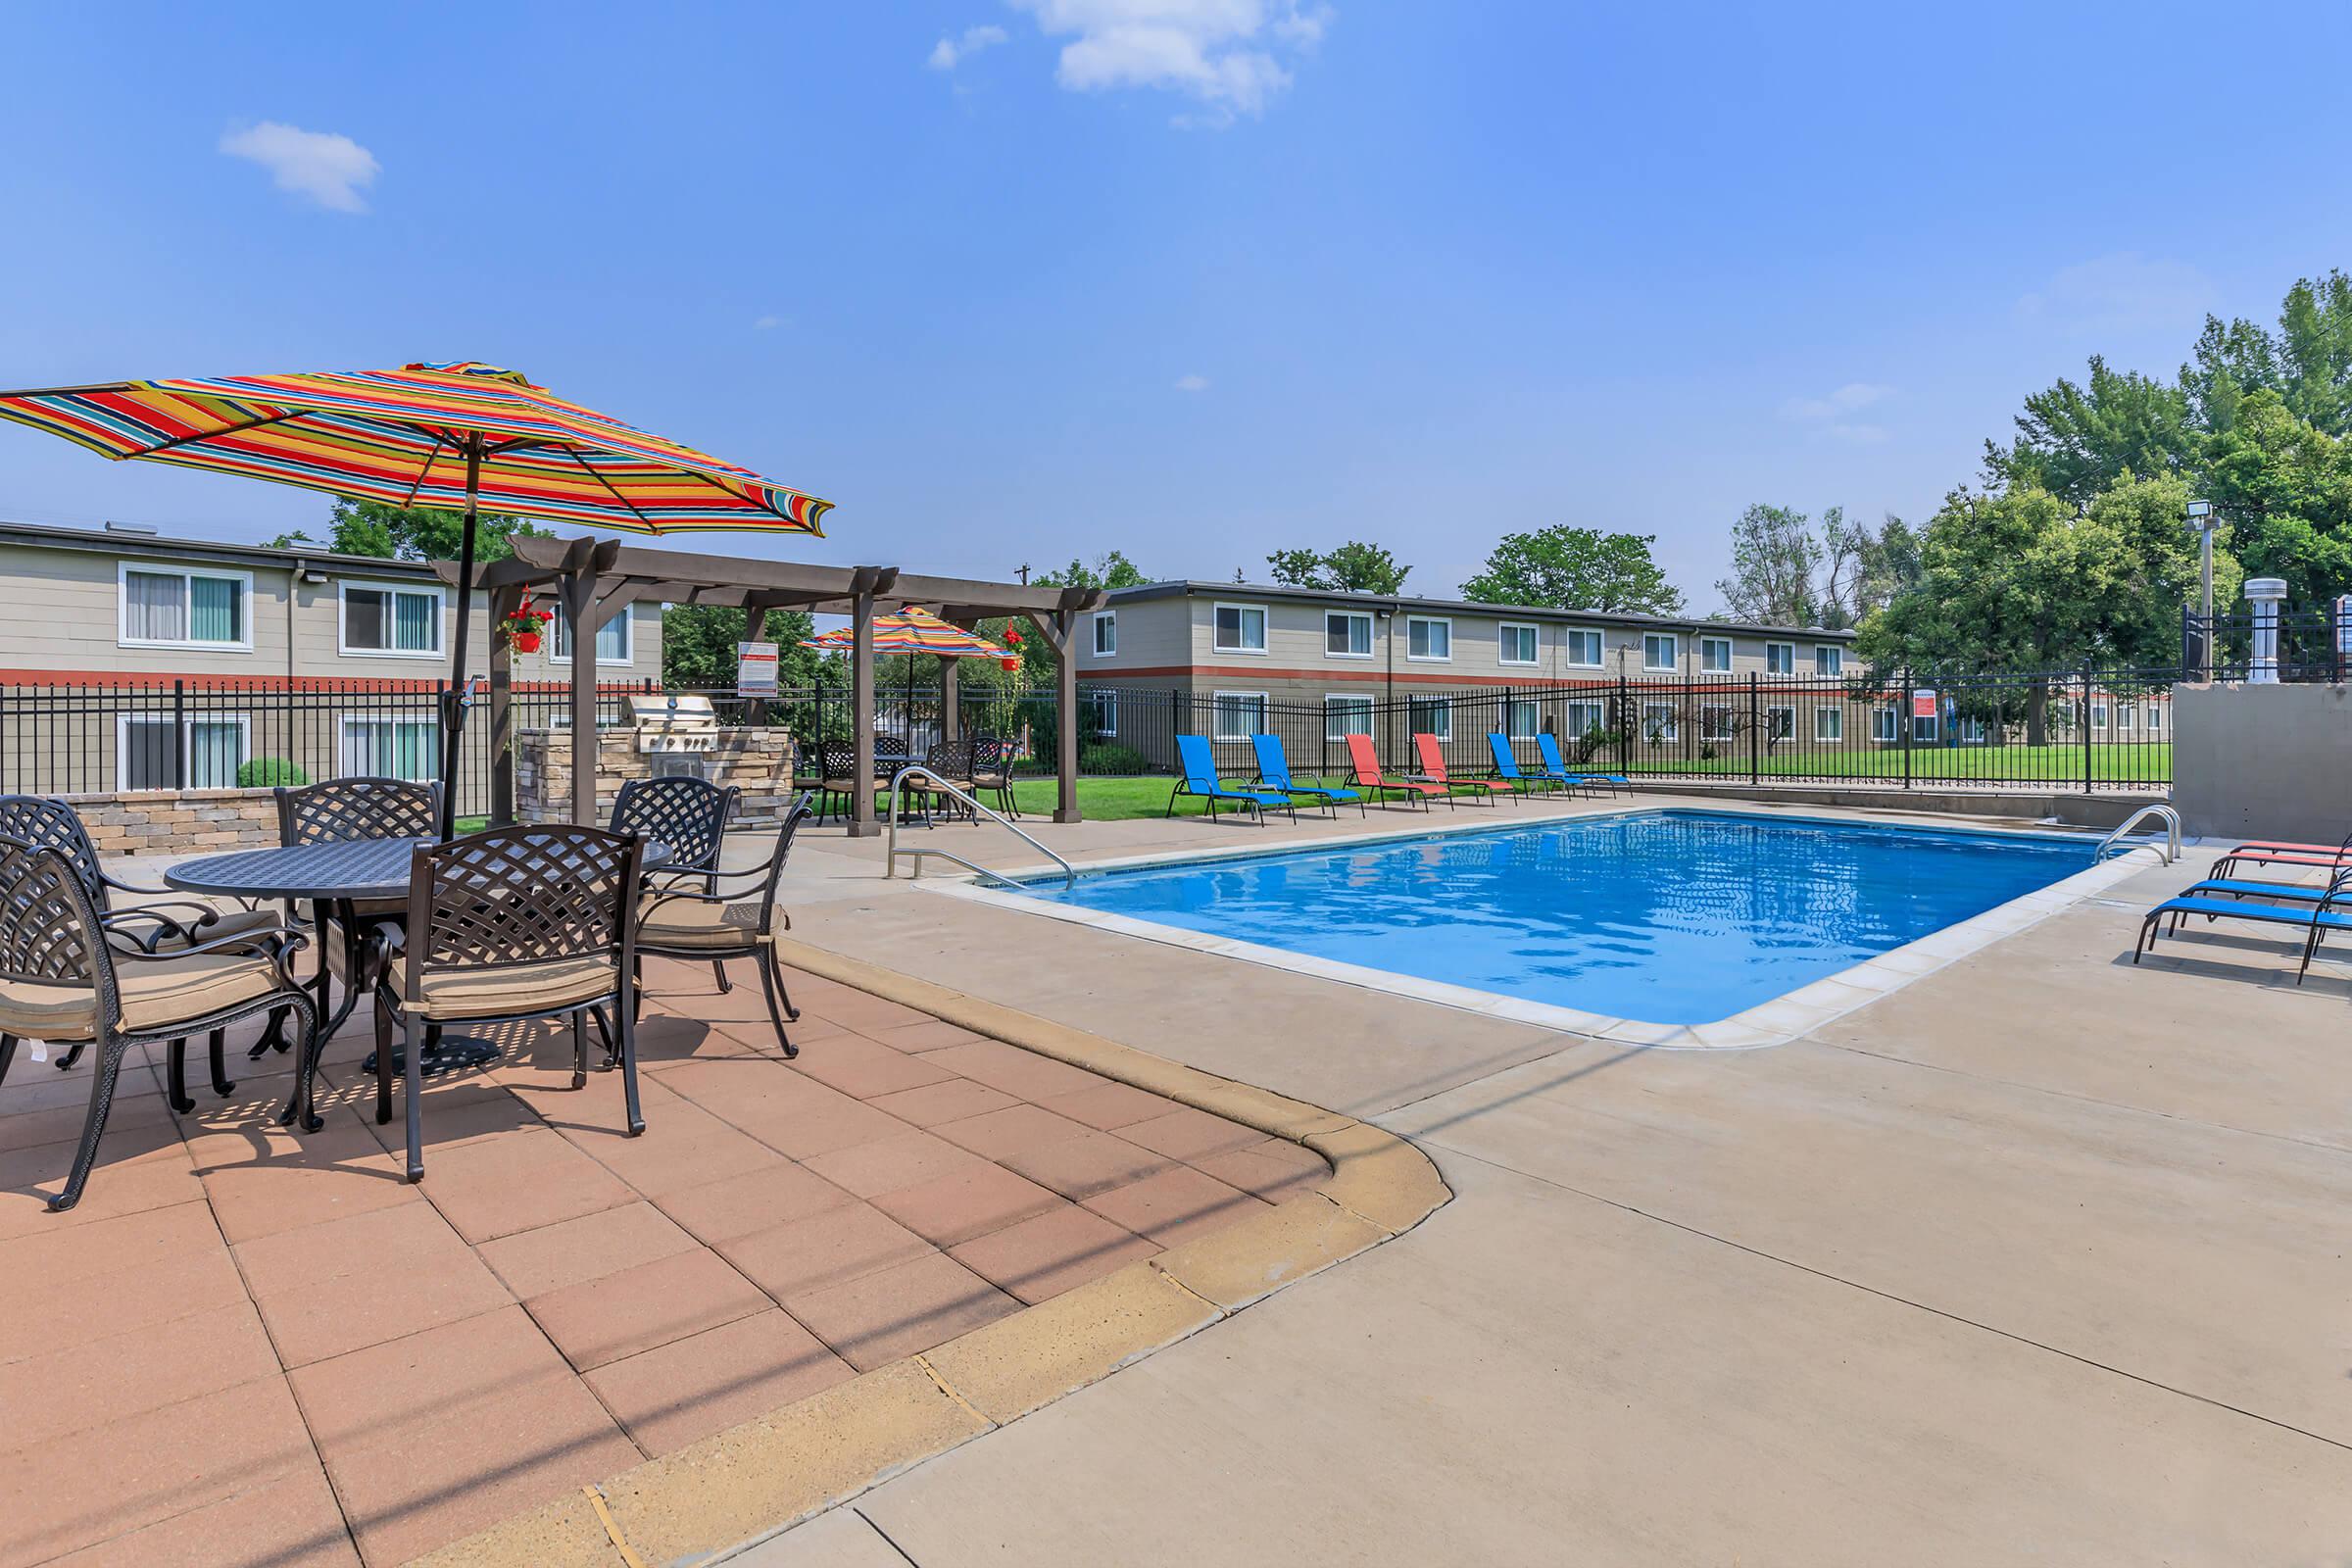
{"type": "Point", "coordinates": [461, 434]}
{"type": "Point", "coordinates": [913, 631]}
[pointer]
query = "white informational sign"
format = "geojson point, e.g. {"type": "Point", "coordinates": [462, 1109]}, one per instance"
{"type": "Point", "coordinates": [756, 669]}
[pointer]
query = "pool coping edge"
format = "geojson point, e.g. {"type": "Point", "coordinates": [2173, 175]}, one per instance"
{"type": "Point", "coordinates": [735, 1489]}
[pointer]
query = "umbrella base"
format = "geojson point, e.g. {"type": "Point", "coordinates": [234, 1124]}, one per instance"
{"type": "Point", "coordinates": [449, 1054]}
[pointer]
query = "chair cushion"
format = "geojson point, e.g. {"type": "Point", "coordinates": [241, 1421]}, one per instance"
{"type": "Point", "coordinates": [155, 996]}
{"type": "Point", "coordinates": [506, 991]}
{"type": "Point", "coordinates": [697, 924]}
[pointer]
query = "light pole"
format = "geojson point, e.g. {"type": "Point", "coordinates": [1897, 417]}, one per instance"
{"type": "Point", "coordinates": [2202, 518]}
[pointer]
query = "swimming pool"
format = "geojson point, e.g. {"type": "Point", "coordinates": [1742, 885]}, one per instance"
{"type": "Point", "coordinates": [1658, 918]}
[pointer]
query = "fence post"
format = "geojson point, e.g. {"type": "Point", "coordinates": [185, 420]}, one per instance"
{"type": "Point", "coordinates": [1623, 725]}
{"type": "Point", "coordinates": [179, 734]}
{"type": "Point", "coordinates": [1903, 724]}
{"type": "Point", "coordinates": [2087, 732]}
{"type": "Point", "coordinates": [1755, 761]}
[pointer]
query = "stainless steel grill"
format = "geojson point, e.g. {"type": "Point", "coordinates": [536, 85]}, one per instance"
{"type": "Point", "coordinates": [673, 723]}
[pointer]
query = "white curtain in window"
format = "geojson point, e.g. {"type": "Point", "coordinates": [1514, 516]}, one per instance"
{"type": "Point", "coordinates": [155, 607]}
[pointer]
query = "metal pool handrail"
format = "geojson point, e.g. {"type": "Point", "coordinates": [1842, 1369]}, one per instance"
{"type": "Point", "coordinates": [2172, 823]}
{"type": "Point", "coordinates": [890, 867]}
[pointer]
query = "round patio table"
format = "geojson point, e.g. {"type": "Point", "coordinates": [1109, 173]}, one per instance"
{"type": "Point", "coordinates": [331, 877]}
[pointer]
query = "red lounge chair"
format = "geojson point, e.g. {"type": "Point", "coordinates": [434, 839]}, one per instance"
{"type": "Point", "coordinates": [1433, 767]}
{"type": "Point", "coordinates": [2278, 852]}
{"type": "Point", "coordinates": [1363, 771]}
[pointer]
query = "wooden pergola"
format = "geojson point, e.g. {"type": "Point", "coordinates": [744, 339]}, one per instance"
{"type": "Point", "coordinates": [596, 580]}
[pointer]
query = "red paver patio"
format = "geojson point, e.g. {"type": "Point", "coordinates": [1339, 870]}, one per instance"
{"type": "Point", "coordinates": [248, 1348]}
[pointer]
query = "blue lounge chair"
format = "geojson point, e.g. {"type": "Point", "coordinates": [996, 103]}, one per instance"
{"type": "Point", "coordinates": [1554, 768]}
{"type": "Point", "coordinates": [1201, 779]}
{"type": "Point", "coordinates": [1274, 773]}
{"type": "Point", "coordinates": [2219, 900]}
{"type": "Point", "coordinates": [1507, 766]}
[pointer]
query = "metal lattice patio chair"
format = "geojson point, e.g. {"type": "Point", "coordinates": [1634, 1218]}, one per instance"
{"type": "Point", "coordinates": [952, 761]}
{"type": "Point", "coordinates": [991, 771]}
{"type": "Point", "coordinates": [164, 921]}
{"type": "Point", "coordinates": [61, 977]}
{"type": "Point", "coordinates": [836, 794]}
{"type": "Point", "coordinates": [689, 818]}
{"type": "Point", "coordinates": [677, 924]}
{"type": "Point", "coordinates": [511, 925]}
{"type": "Point", "coordinates": [344, 811]}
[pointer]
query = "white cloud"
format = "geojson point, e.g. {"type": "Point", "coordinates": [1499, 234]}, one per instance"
{"type": "Point", "coordinates": [328, 168]}
{"type": "Point", "coordinates": [1219, 52]}
{"type": "Point", "coordinates": [2124, 292]}
{"type": "Point", "coordinates": [949, 53]}
{"type": "Point", "coordinates": [1192, 383]}
{"type": "Point", "coordinates": [1832, 415]}
{"type": "Point", "coordinates": [767, 323]}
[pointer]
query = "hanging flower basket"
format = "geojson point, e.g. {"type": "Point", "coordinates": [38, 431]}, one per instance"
{"type": "Point", "coordinates": [1009, 663]}
{"type": "Point", "coordinates": [523, 627]}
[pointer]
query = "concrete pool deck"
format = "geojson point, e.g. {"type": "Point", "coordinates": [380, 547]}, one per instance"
{"type": "Point", "coordinates": [2039, 1257]}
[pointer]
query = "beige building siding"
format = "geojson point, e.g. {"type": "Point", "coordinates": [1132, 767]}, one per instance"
{"type": "Point", "coordinates": [73, 622]}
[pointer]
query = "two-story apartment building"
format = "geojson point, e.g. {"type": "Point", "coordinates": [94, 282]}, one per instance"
{"type": "Point", "coordinates": [1245, 646]}
{"type": "Point", "coordinates": [131, 660]}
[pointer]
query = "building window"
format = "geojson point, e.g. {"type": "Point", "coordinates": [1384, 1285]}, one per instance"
{"type": "Point", "coordinates": [1661, 649]}
{"type": "Point", "coordinates": [1520, 717]}
{"type": "Point", "coordinates": [147, 759]}
{"type": "Point", "coordinates": [1715, 723]}
{"type": "Point", "coordinates": [1968, 731]}
{"type": "Point", "coordinates": [2125, 716]}
{"type": "Point", "coordinates": [1829, 723]}
{"type": "Point", "coordinates": [1348, 634]}
{"type": "Point", "coordinates": [2155, 718]}
{"type": "Point", "coordinates": [2098, 716]}
{"type": "Point", "coordinates": [1107, 633]}
{"type": "Point", "coordinates": [1882, 724]}
{"type": "Point", "coordinates": [1429, 638]}
{"type": "Point", "coordinates": [1581, 648]}
{"type": "Point", "coordinates": [392, 748]}
{"type": "Point", "coordinates": [378, 620]}
{"type": "Point", "coordinates": [177, 606]}
{"type": "Point", "coordinates": [1344, 714]}
{"type": "Point", "coordinates": [1585, 718]}
{"type": "Point", "coordinates": [1661, 723]}
{"type": "Point", "coordinates": [1780, 658]}
{"type": "Point", "coordinates": [1779, 723]}
{"type": "Point", "coordinates": [1922, 729]}
{"type": "Point", "coordinates": [612, 637]}
{"type": "Point", "coordinates": [1099, 714]}
{"type": "Point", "coordinates": [1827, 660]}
{"type": "Point", "coordinates": [1516, 642]}
{"type": "Point", "coordinates": [1238, 715]}
{"type": "Point", "coordinates": [1715, 655]}
{"type": "Point", "coordinates": [1240, 630]}
{"type": "Point", "coordinates": [1430, 716]}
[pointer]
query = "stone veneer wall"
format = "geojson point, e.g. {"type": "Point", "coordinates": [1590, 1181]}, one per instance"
{"type": "Point", "coordinates": [757, 762]}
{"type": "Point", "coordinates": [178, 821]}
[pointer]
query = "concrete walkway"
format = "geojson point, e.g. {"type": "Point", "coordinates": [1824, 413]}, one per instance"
{"type": "Point", "coordinates": [2040, 1259]}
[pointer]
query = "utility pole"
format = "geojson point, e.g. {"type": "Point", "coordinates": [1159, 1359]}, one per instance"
{"type": "Point", "coordinates": [1024, 569]}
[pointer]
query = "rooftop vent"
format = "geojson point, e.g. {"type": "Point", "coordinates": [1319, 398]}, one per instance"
{"type": "Point", "coordinates": [142, 529]}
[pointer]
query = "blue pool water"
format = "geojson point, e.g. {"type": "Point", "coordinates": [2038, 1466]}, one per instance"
{"type": "Point", "coordinates": [1671, 917]}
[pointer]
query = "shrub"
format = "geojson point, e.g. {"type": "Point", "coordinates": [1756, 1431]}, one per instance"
{"type": "Point", "coordinates": [1109, 756]}
{"type": "Point", "coordinates": [264, 771]}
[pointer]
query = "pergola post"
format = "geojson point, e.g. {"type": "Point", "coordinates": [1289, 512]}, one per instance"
{"type": "Point", "coordinates": [579, 605]}
{"type": "Point", "coordinates": [504, 602]}
{"type": "Point", "coordinates": [862, 824]}
{"type": "Point", "coordinates": [1065, 707]}
{"type": "Point", "coordinates": [950, 704]}
{"type": "Point", "coordinates": [755, 622]}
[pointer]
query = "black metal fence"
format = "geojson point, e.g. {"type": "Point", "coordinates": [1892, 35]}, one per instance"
{"type": "Point", "coordinates": [2307, 645]}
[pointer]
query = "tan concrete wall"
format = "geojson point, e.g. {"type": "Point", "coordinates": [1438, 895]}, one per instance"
{"type": "Point", "coordinates": [195, 821]}
{"type": "Point", "coordinates": [757, 762]}
{"type": "Point", "coordinates": [2263, 761]}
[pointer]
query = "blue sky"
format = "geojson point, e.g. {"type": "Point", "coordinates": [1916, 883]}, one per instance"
{"type": "Point", "coordinates": [1195, 279]}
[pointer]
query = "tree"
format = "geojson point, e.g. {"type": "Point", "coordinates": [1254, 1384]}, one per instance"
{"type": "Point", "coordinates": [1774, 557]}
{"type": "Point", "coordinates": [2285, 489]}
{"type": "Point", "coordinates": [411, 533]}
{"type": "Point", "coordinates": [1353, 568]}
{"type": "Point", "coordinates": [2307, 362]}
{"type": "Point", "coordinates": [697, 646]}
{"type": "Point", "coordinates": [2074, 441]}
{"type": "Point", "coordinates": [1864, 572]}
{"type": "Point", "coordinates": [1576, 568]}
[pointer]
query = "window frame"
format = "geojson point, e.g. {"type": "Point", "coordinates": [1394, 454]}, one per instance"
{"type": "Point", "coordinates": [432, 757]}
{"type": "Point", "coordinates": [1344, 700]}
{"type": "Point", "coordinates": [1780, 658]}
{"type": "Point", "coordinates": [1106, 700]}
{"type": "Point", "coordinates": [1669, 733]}
{"type": "Point", "coordinates": [1730, 721]}
{"type": "Point", "coordinates": [1570, 636]}
{"type": "Point", "coordinates": [2155, 724]}
{"type": "Point", "coordinates": [1265, 627]}
{"type": "Point", "coordinates": [1534, 641]}
{"type": "Point", "coordinates": [1706, 645]}
{"type": "Point", "coordinates": [1430, 702]}
{"type": "Point", "coordinates": [343, 642]}
{"type": "Point", "coordinates": [187, 728]}
{"type": "Point", "coordinates": [2126, 719]}
{"type": "Point", "coordinates": [1834, 732]}
{"type": "Point", "coordinates": [1511, 713]}
{"type": "Point", "coordinates": [1833, 656]}
{"type": "Point", "coordinates": [1107, 620]}
{"type": "Point", "coordinates": [2099, 711]}
{"type": "Point", "coordinates": [1216, 717]}
{"type": "Point", "coordinates": [1600, 712]}
{"type": "Point", "coordinates": [1774, 729]}
{"type": "Point", "coordinates": [1412, 657]}
{"type": "Point", "coordinates": [1673, 641]}
{"type": "Point", "coordinates": [1893, 729]}
{"type": "Point", "coordinates": [1371, 632]}
{"type": "Point", "coordinates": [558, 637]}
{"type": "Point", "coordinates": [187, 576]}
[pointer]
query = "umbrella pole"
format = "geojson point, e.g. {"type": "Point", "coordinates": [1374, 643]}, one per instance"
{"type": "Point", "coordinates": [453, 714]}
